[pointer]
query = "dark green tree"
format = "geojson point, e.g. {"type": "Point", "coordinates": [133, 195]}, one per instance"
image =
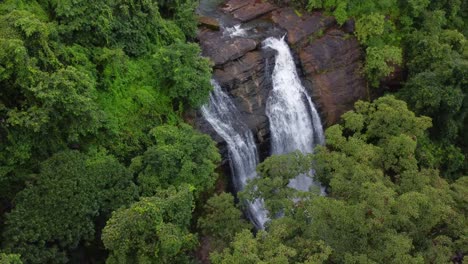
{"type": "Point", "coordinates": [57, 210]}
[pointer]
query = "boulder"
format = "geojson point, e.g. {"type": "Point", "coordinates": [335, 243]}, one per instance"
{"type": "Point", "coordinates": [332, 64]}
{"type": "Point", "coordinates": [208, 22]}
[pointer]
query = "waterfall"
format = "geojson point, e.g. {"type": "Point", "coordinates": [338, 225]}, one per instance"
{"type": "Point", "coordinates": [224, 117]}
{"type": "Point", "coordinates": [294, 121]}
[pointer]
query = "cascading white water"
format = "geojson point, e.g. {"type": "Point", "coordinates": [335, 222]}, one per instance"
{"type": "Point", "coordinates": [224, 117]}
{"type": "Point", "coordinates": [235, 31]}
{"type": "Point", "coordinates": [294, 121]}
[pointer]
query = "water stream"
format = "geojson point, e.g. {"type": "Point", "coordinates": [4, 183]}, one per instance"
{"type": "Point", "coordinates": [224, 117]}
{"type": "Point", "coordinates": [294, 121]}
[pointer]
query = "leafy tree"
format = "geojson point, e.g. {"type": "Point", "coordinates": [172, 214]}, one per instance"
{"type": "Point", "coordinates": [222, 220]}
{"type": "Point", "coordinates": [115, 24]}
{"type": "Point", "coordinates": [380, 62]}
{"type": "Point", "coordinates": [57, 211]}
{"type": "Point", "coordinates": [249, 249]}
{"type": "Point", "coordinates": [132, 102]}
{"type": "Point", "coordinates": [273, 178]}
{"type": "Point", "coordinates": [128, 32]}
{"type": "Point", "coordinates": [79, 74]}
{"type": "Point", "coordinates": [180, 155]}
{"type": "Point", "coordinates": [372, 172]}
{"type": "Point", "coordinates": [153, 230]}
{"type": "Point", "coordinates": [10, 259]}
{"type": "Point", "coordinates": [370, 26]}
{"type": "Point", "coordinates": [182, 74]}
{"type": "Point", "coordinates": [437, 88]}
{"type": "Point", "coordinates": [381, 205]}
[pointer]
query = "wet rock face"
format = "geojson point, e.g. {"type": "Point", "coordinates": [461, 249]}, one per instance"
{"type": "Point", "coordinates": [332, 64]}
{"type": "Point", "coordinates": [329, 60]}
{"type": "Point", "coordinates": [220, 49]}
{"type": "Point", "coordinates": [246, 79]}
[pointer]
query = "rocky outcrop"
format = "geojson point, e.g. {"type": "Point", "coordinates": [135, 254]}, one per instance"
{"type": "Point", "coordinates": [253, 10]}
{"type": "Point", "coordinates": [246, 81]}
{"type": "Point", "coordinates": [300, 27]}
{"type": "Point", "coordinates": [332, 64]}
{"type": "Point", "coordinates": [329, 60]}
{"type": "Point", "coordinates": [220, 49]}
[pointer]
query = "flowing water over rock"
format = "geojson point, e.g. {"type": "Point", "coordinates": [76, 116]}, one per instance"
{"type": "Point", "coordinates": [265, 98]}
{"type": "Point", "coordinates": [224, 117]}
{"type": "Point", "coordinates": [294, 121]}
{"type": "Point", "coordinates": [236, 31]}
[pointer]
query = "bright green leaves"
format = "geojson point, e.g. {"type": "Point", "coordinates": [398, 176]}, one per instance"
{"type": "Point", "coordinates": [180, 155]}
{"type": "Point", "coordinates": [13, 66]}
{"type": "Point", "coordinates": [10, 259]}
{"type": "Point", "coordinates": [340, 13]}
{"type": "Point", "coordinates": [372, 171]}
{"type": "Point", "coordinates": [263, 249]}
{"type": "Point", "coordinates": [416, 7]}
{"type": "Point", "coordinates": [152, 230]}
{"type": "Point", "coordinates": [374, 31]}
{"type": "Point", "coordinates": [183, 74]}
{"type": "Point", "coordinates": [388, 116]}
{"type": "Point", "coordinates": [370, 26]}
{"type": "Point", "coordinates": [382, 206]}
{"type": "Point", "coordinates": [380, 62]}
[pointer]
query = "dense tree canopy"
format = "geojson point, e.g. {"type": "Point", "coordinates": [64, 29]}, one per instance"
{"type": "Point", "coordinates": [180, 155]}
{"type": "Point", "coordinates": [382, 205]}
{"type": "Point", "coordinates": [153, 230]}
{"type": "Point", "coordinates": [97, 164]}
{"type": "Point", "coordinates": [92, 77]}
{"type": "Point", "coordinates": [222, 220]}
{"type": "Point", "coordinates": [41, 228]}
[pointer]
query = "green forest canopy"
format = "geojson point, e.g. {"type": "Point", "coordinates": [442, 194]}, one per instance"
{"type": "Point", "coordinates": [97, 165]}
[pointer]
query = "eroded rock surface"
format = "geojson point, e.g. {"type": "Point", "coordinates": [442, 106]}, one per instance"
{"type": "Point", "coordinates": [300, 27]}
{"type": "Point", "coordinates": [253, 10]}
{"type": "Point", "coordinates": [333, 64]}
{"type": "Point", "coordinates": [329, 61]}
{"type": "Point", "coordinates": [220, 49]}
